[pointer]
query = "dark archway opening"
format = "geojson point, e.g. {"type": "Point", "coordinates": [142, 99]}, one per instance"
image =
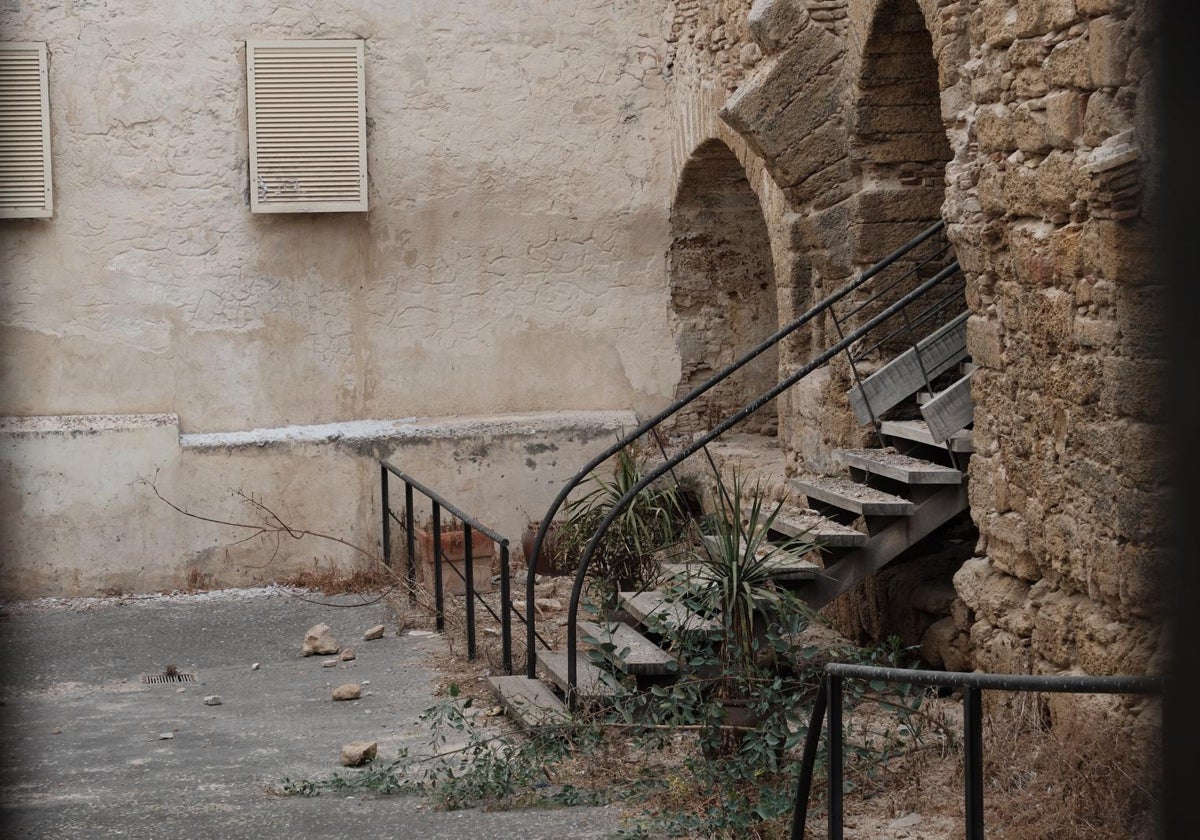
{"type": "Point", "coordinates": [723, 294]}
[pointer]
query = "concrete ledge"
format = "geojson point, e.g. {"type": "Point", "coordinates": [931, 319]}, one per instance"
{"type": "Point", "coordinates": [81, 517]}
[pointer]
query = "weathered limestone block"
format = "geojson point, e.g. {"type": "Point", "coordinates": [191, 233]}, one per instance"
{"type": "Point", "coordinates": [1141, 314]}
{"type": "Point", "coordinates": [1095, 8]}
{"type": "Point", "coordinates": [903, 204]}
{"type": "Point", "coordinates": [945, 646]}
{"type": "Point", "coordinates": [1096, 332]}
{"type": "Point", "coordinates": [1107, 114]}
{"type": "Point", "coordinates": [824, 147]}
{"type": "Point", "coordinates": [1000, 652]}
{"type": "Point", "coordinates": [985, 341]}
{"type": "Point", "coordinates": [773, 24]}
{"type": "Point", "coordinates": [999, 598]}
{"type": "Point", "coordinates": [1142, 515]}
{"type": "Point", "coordinates": [993, 129]}
{"type": "Point", "coordinates": [1037, 17]}
{"type": "Point", "coordinates": [1065, 112]}
{"type": "Point", "coordinates": [1069, 65]}
{"type": "Point", "coordinates": [782, 82]}
{"type": "Point", "coordinates": [1108, 51]}
{"type": "Point", "coordinates": [1008, 546]}
{"type": "Point", "coordinates": [1134, 388]}
{"type": "Point", "coordinates": [990, 190]}
{"type": "Point", "coordinates": [1029, 130]}
{"type": "Point", "coordinates": [1140, 571]}
{"type": "Point", "coordinates": [1060, 180]}
{"type": "Point", "coordinates": [999, 22]}
{"type": "Point", "coordinates": [1119, 251]}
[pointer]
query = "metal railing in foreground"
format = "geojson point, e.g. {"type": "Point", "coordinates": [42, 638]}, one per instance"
{"type": "Point", "coordinates": [470, 525]}
{"type": "Point", "coordinates": [829, 696]}
{"type": "Point", "coordinates": [811, 315]}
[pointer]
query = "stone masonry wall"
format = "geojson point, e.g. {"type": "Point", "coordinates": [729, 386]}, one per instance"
{"type": "Point", "coordinates": [1048, 118]}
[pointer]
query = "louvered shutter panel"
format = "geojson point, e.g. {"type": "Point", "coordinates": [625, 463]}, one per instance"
{"type": "Point", "coordinates": [308, 127]}
{"type": "Point", "coordinates": [25, 190]}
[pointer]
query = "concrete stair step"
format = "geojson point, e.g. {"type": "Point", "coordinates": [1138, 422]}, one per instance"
{"type": "Point", "coordinates": [917, 431]}
{"type": "Point", "coordinates": [847, 494]}
{"type": "Point", "coordinates": [630, 651]}
{"type": "Point", "coordinates": [952, 410]}
{"type": "Point", "coordinates": [592, 682]}
{"type": "Point", "coordinates": [795, 521]}
{"type": "Point", "coordinates": [654, 610]}
{"type": "Point", "coordinates": [530, 703]}
{"type": "Point", "coordinates": [906, 374]}
{"type": "Point", "coordinates": [891, 464]}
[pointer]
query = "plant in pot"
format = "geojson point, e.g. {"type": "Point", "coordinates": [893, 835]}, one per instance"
{"type": "Point", "coordinates": [736, 581]}
{"type": "Point", "coordinates": [625, 558]}
{"type": "Point", "coordinates": [453, 556]}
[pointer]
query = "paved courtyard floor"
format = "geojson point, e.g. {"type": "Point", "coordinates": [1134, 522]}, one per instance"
{"type": "Point", "coordinates": [90, 750]}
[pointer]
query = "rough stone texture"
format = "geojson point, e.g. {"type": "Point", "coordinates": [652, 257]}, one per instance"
{"type": "Point", "coordinates": [347, 691]}
{"type": "Point", "coordinates": [1044, 111]}
{"type": "Point", "coordinates": [319, 640]}
{"type": "Point", "coordinates": [358, 753]}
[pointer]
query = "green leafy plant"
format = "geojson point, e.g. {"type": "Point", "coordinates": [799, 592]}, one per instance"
{"type": "Point", "coordinates": [654, 519]}
{"type": "Point", "coordinates": [740, 568]}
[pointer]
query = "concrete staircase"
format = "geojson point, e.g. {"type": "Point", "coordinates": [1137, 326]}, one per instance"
{"type": "Point", "coordinates": [886, 500]}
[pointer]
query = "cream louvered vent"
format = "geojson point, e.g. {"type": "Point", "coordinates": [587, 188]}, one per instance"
{"type": "Point", "coordinates": [308, 137]}
{"type": "Point", "coordinates": [25, 190]}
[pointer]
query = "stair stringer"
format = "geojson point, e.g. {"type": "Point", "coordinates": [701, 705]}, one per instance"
{"type": "Point", "coordinates": [884, 545]}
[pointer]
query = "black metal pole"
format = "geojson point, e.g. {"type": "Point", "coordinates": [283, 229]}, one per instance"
{"type": "Point", "coordinates": [410, 540]}
{"type": "Point", "coordinates": [505, 610]}
{"type": "Point", "coordinates": [469, 583]}
{"type": "Point", "coordinates": [808, 761]}
{"type": "Point", "coordinates": [835, 757]}
{"type": "Point", "coordinates": [973, 760]}
{"type": "Point", "coordinates": [387, 525]}
{"type": "Point", "coordinates": [438, 604]}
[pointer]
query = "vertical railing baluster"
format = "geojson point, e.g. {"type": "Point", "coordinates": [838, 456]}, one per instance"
{"type": "Point", "coordinates": [438, 603]}
{"type": "Point", "coordinates": [505, 610]}
{"type": "Point", "coordinates": [835, 757]}
{"type": "Point", "coordinates": [973, 759]}
{"type": "Point", "coordinates": [387, 524]}
{"type": "Point", "coordinates": [469, 583]}
{"type": "Point", "coordinates": [410, 540]}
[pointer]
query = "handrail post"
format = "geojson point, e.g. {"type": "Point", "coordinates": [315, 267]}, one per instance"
{"type": "Point", "coordinates": [387, 525]}
{"type": "Point", "coordinates": [973, 760]}
{"type": "Point", "coordinates": [469, 583]}
{"type": "Point", "coordinates": [505, 611]}
{"type": "Point", "coordinates": [836, 768]}
{"type": "Point", "coordinates": [439, 605]}
{"type": "Point", "coordinates": [410, 543]}
{"type": "Point", "coordinates": [808, 761]}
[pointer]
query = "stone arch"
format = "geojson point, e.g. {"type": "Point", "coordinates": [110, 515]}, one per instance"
{"type": "Point", "coordinates": [898, 143]}
{"type": "Point", "coordinates": [723, 293]}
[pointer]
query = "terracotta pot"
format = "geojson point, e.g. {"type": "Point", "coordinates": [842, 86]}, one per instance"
{"type": "Point", "coordinates": [551, 561]}
{"type": "Point", "coordinates": [454, 556]}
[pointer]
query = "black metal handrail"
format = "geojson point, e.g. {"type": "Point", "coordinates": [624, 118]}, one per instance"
{"type": "Point", "coordinates": [469, 526]}
{"type": "Point", "coordinates": [829, 696]}
{"type": "Point", "coordinates": [820, 308]}
{"type": "Point", "coordinates": [731, 421]}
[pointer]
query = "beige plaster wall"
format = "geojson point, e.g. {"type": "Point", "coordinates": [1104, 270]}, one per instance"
{"type": "Point", "coordinates": [79, 495]}
{"type": "Point", "coordinates": [512, 263]}
{"type": "Point", "coordinates": [518, 216]}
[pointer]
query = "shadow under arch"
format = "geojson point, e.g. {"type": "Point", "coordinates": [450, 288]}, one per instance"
{"type": "Point", "coordinates": [723, 294]}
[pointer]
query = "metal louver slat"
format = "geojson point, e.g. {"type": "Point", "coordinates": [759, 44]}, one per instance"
{"type": "Point", "coordinates": [307, 117]}
{"type": "Point", "coordinates": [25, 186]}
